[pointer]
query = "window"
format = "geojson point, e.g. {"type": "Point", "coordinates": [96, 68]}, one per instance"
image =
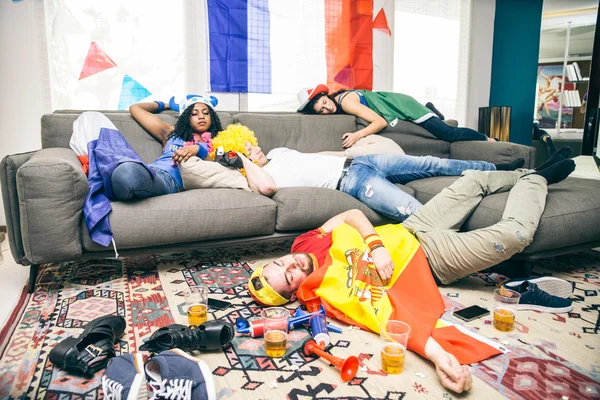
{"type": "Point", "coordinates": [431, 53]}
{"type": "Point", "coordinates": [111, 54]}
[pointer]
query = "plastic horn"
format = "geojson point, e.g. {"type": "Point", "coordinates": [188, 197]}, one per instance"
{"type": "Point", "coordinates": [300, 312]}
{"type": "Point", "coordinates": [256, 327]}
{"type": "Point", "coordinates": [347, 367]}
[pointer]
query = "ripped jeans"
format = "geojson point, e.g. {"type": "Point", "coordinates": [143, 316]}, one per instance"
{"type": "Point", "coordinates": [371, 179]}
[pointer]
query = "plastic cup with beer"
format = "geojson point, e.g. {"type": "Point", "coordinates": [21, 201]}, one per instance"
{"type": "Point", "coordinates": [395, 338]}
{"type": "Point", "coordinates": [504, 309]}
{"type": "Point", "coordinates": [196, 298]}
{"type": "Point", "coordinates": [275, 330]}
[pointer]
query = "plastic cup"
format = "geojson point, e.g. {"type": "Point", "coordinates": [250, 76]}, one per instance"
{"type": "Point", "coordinates": [196, 298]}
{"type": "Point", "coordinates": [275, 330]}
{"type": "Point", "coordinates": [394, 335]}
{"type": "Point", "coordinates": [505, 307]}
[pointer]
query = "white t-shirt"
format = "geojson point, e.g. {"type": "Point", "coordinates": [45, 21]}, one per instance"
{"type": "Point", "coordinates": [290, 168]}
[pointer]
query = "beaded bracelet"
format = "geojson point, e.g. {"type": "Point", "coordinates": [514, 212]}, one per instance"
{"type": "Point", "coordinates": [375, 247]}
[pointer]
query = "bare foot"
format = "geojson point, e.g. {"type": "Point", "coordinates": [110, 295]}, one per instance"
{"type": "Point", "coordinates": [491, 139]}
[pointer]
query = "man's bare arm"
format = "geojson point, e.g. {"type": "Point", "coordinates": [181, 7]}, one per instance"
{"type": "Point", "coordinates": [259, 180]}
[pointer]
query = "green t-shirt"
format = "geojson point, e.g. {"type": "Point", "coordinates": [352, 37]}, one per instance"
{"type": "Point", "coordinates": [395, 106]}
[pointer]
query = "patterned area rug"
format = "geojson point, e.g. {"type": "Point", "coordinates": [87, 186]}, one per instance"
{"type": "Point", "coordinates": [551, 356]}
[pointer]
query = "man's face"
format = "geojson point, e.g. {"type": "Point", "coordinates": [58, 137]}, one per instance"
{"type": "Point", "coordinates": [287, 273]}
{"type": "Point", "coordinates": [256, 154]}
{"type": "Point", "coordinates": [325, 105]}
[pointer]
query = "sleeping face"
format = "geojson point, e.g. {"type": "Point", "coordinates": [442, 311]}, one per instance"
{"type": "Point", "coordinates": [256, 155]}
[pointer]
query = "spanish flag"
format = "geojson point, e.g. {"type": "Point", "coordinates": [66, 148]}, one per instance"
{"type": "Point", "coordinates": [348, 286]}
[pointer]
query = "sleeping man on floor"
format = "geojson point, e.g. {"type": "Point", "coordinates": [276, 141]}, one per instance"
{"type": "Point", "coordinates": [393, 269]}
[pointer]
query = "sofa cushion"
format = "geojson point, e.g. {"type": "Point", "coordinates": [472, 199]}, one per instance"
{"type": "Point", "coordinates": [305, 133]}
{"type": "Point", "coordinates": [308, 208]}
{"type": "Point", "coordinates": [52, 189]}
{"type": "Point", "coordinates": [200, 174]}
{"type": "Point", "coordinates": [571, 217]}
{"type": "Point", "coordinates": [58, 127]}
{"type": "Point", "coordinates": [188, 216]}
{"type": "Point", "coordinates": [426, 189]}
{"type": "Point", "coordinates": [413, 139]}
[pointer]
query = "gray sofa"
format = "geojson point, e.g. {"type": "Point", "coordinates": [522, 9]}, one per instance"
{"type": "Point", "coordinates": [44, 191]}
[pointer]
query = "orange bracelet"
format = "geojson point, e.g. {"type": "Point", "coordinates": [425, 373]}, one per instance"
{"type": "Point", "coordinates": [373, 240]}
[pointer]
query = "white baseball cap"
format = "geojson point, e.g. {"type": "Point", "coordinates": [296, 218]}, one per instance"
{"type": "Point", "coordinates": [307, 94]}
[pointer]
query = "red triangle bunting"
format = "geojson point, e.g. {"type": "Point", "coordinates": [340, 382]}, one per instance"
{"type": "Point", "coordinates": [96, 61]}
{"type": "Point", "coordinates": [381, 23]}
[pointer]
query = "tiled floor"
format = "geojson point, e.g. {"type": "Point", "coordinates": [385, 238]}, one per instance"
{"type": "Point", "coordinates": [14, 276]}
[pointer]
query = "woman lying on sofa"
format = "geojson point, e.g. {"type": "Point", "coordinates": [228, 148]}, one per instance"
{"type": "Point", "coordinates": [379, 109]}
{"type": "Point", "coordinates": [191, 136]}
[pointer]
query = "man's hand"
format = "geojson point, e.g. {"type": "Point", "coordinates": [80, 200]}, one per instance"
{"type": "Point", "coordinates": [184, 153]}
{"type": "Point", "coordinates": [383, 263]}
{"type": "Point", "coordinates": [452, 375]}
{"type": "Point", "coordinates": [348, 139]}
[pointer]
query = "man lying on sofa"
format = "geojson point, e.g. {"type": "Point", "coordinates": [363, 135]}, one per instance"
{"type": "Point", "coordinates": [392, 267]}
{"type": "Point", "coordinates": [370, 179]}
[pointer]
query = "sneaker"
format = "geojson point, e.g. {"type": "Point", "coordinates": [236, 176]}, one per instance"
{"type": "Point", "coordinates": [549, 284]}
{"type": "Point", "coordinates": [124, 378]}
{"type": "Point", "coordinates": [174, 374]}
{"type": "Point", "coordinates": [533, 298]}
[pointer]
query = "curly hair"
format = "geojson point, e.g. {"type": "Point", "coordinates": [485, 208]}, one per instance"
{"type": "Point", "coordinates": [234, 138]}
{"type": "Point", "coordinates": [310, 106]}
{"type": "Point", "coordinates": [184, 130]}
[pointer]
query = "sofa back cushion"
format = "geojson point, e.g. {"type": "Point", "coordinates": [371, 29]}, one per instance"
{"type": "Point", "coordinates": [305, 133]}
{"type": "Point", "coordinates": [58, 127]}
{"type": "Point", "coordinates": [413, 139]}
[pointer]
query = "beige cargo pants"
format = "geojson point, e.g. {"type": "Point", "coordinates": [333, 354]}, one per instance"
{"type": "Point", "coordinates": [452, 254]}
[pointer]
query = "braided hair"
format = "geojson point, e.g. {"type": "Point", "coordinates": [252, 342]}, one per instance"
{"type": "Point", "coordinates": [184, 130]}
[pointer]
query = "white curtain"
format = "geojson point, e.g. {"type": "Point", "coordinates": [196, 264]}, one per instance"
{"type": "Point", "coordinates": [110, 54]}
{"type": "Point", "coordinates": [431, 53]}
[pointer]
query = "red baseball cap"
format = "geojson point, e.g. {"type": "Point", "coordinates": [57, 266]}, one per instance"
{"type": "Point", "coordinates": [307, 94]}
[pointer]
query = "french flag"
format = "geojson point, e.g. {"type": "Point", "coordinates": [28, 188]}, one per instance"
{"type": "Point", "coordinates": [278, 46]}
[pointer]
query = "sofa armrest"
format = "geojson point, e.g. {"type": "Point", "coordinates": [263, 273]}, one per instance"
{"type": "Point", "coordinates": [10, 199]}
{"type": "Point", "coordinates": [52, 188]}
{"type": "Point", "coordinates": [499, 152]}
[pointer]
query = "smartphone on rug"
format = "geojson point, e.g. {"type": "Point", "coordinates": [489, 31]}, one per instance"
{"type": "Point", "coordinates": [471, 313]}
{"type": "Point", "coordinates": [218, 304]}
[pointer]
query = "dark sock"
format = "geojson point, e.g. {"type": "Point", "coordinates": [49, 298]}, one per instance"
{"type": "Point", "coordinates": [511, 166]}
{"type": "Point", "coordinates": [435, 110]}
{"type": "Point", "coordinates": [560, 155]}
{"type": "Point", "coordinates": [557, 171]}
{"type": "Point", "coordinates": [549, 145]}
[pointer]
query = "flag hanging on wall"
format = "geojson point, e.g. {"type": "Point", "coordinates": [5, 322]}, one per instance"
{"type": "Point", "coordinates": [277, 46]}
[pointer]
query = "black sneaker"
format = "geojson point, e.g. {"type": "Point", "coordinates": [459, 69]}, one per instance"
{"type": "Point", "coordinates": [549, 284]}
{"type": "Point", "coordinates": [533, 298]}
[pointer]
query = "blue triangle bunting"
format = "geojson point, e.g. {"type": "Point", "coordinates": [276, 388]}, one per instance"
{"type": "Point", "coordinates": [131, 92]}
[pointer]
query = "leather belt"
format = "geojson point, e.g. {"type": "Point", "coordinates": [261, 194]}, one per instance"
{"type": "Point", "coordinates": [347, 164]}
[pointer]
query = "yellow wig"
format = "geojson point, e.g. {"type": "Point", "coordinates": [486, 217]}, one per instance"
{"type": "Point", "coordinates": [234, 138]}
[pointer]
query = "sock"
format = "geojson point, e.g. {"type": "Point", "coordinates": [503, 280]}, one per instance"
{"type": "Point", "coordinates": [511, 166]}
{"type": "Point", "coordinates": [557, 171]}
{"type": "Point", "coordinates": [563, 154]}
{"type": "Point", "coordinates": [435, 110]}
{"type": "Point", "coordinates": [550, 145]}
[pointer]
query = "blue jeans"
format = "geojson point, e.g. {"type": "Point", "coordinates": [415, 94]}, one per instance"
{"type": "Point", "coordinates": [440, 130]}
{"type": "Point", "coordinates": [132, 180]}
{"type": "Point", "coordinates": [371, 179]}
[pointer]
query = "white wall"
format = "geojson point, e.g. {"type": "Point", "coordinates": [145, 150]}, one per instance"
{"type": "Point", "coordinates": [480, 59]}
{"type": "Point", "coordinates": [22, 99]}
